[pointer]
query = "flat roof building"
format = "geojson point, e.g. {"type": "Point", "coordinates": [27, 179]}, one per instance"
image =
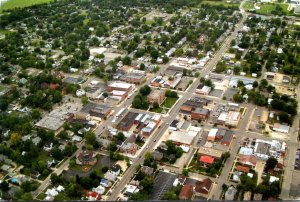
{"type": "Point", "coordinates": [156, 96]}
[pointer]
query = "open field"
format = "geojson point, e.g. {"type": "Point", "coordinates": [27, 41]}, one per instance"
{"type": "Point", "coordinates": [21, 3]}
{"type": "Point", "coordinates": [220, 3]}
{"type": "Point", "coordinates": [266, 9]}
{"type": "Point", "coordinates": [248, 5]}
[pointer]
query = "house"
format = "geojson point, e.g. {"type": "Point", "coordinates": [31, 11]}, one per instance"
{"type": "Point", "coordinates": [100, 190]}
{"type": "Point", "coordinates": [93, 196]}
{"type": "Point", "coordinates": [129, 148]}
{"type": "Point", "coordinates": [156, 96]}
{"type": "Point", "coordinates": [147, 170]}
{"type": "Point", "coordinates": [257, 197]}
{"type": "Point", "coordinates": [186, 192]}
{"type": "Point", "coordinates": [48, 146]}
{"type": "Point", "coordinates": [35, 174]}
{"type": "Point", "coordinates": [110, 175]}
{"type": "Point", "coordinates": [247, 196]}
{"type": "Point", "coordinates": [36, 140]}
{"type": "Point", "coordinates": [87, 158]}
{"type": "Point", "coordinates": [243, 169]}
{"type": "Point", "coordinates": [156, 155]}
{"type": "Point", "coordinates": [131, 189]}
{"type": "Point", "coordinates": [247, 160]}
{"type": "Point", "coordinates": [203, 187]}
{"type": "Point", "coordinates": [230, 193]}
{"type": "Point", "coordinates": [206, 160]}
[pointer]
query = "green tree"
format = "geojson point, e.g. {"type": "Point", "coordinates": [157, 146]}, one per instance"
{"type": "Point", "coordinates": [238, 98]}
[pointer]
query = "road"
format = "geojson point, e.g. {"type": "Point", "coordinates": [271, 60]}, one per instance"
{"type": "Point", "coordinates": [172, 114]}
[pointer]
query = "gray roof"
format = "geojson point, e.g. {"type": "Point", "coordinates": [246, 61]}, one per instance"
{"type": "Point", "coordinates": [230, 193]}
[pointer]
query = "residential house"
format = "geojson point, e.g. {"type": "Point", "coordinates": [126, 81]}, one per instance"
{"type": "Point", "coordinates": [129, 148]}
{"type": "Point", "coordinates": [202, 188]}
{"type": "Point", "coordinates": [186, 192]}
{"type": "Point", "coordinates": [110, 175]}
{"type": "Point", "coordinates": [247, 196]}
{"type": "Point", "coordinates": [247, 160]}
{"type": "Point", "coordinates": [230, 193]}
{"type": "Point", "coordinates": [147, 170]}
{"type": "Point", "coordinates": [87, 158]}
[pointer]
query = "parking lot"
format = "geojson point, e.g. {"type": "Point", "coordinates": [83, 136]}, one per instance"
{"type": "Point", "coordinates": [230, 92]}
{"type": "Point", "coordinates": [216, 93]}
{"type": "Point", "coordinates": [163, 183]}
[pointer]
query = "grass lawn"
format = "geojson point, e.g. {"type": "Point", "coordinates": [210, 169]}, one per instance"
{"type": "Point", "coordinates": [3, 32]}
{"type": "Point", "coordinates": [10, 4]}
{"type": "Point", "coordinates": [156, 110]}
{"type": "Point", "coordinates": [169, 102]}
{"type": "Point", "coordinates": [248, 5]}
{"type": "Point", "coordinates": [266, 9]}
{"type": "Point", "coordinates": [220, 3]}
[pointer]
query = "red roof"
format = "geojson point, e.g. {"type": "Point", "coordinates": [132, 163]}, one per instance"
{"type": "Point", "coordinates": [243, 169]}
{"type": "Point", "coordinates": [186, 192]}
{"type": "Point", "coordinates": [207, 159]}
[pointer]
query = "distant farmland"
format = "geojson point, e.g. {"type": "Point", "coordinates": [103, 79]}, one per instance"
{"type": "Point", "coordinates": [10, 4]}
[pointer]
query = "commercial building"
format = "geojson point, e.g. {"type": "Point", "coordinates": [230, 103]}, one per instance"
{"type": "Point", "coordinates": [127, 122]}
{"type": "Point", "coordinates": [230, 118]}
{"type": "Point", "coordinates": [120, 86]}
{"type": "Point", "coordinates": [181, 138]}
{"type": "Point", "coordinates": [203, 90]}
{"type": "Point", "coordinates": [156, 96]}
{"type": "Point", "coordinates": [193, 109]}
{"type": "Point", "coordinates": [136, 77]}
{"type": "Point", "coordinates": [281, 128]}
{"type": "Point", "coordinates": [97, 110]}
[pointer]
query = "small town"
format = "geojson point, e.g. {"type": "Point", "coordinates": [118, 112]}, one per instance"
{"type": "Point", "coordinates": [150, 100]}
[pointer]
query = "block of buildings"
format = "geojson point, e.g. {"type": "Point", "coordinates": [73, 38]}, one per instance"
{"type": "Point", "coordinates": [156, 96]}
{"type": "Point", "coordinates": [136, 77]}
{"type": "Point", "coordinates": [193, 109]}
{"type": "Point", "coordinates": [97, 110]}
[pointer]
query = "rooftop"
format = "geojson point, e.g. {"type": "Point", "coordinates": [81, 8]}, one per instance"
{"type": "Point", "coordinates": [181, 137]}
{"type": "Point", "coordinates": [210, 152]}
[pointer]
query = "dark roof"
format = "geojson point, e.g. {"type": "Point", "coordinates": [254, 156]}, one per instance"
{"type": "Point", "coordinates": [128, 119]}
{"type": "Point", "coordinates": [163, 183]}
{"type": "Point", "coordinates": [204, 186]}
{"type": "Point", "coordinates": [96, 109]}
{"type": "Point", "coordinates": [174, 123]}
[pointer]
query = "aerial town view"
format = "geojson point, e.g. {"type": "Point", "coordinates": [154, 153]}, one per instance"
{"type": "Point", "coordinates": [118, 100]}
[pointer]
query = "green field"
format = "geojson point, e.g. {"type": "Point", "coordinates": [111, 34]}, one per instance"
{"type": "Point", "coordinates": [224, 3]}
{"type": "Point", "coordinates": [10, 4]}
{"type": "Point", "coordinates": [248, 5]}
{"type": "Point", "coordinates": [266, 9]}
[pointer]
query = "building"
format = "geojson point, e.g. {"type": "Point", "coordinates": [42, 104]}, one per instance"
{"type": "Point", "coordinates": [206, 160]}
{"type": "Point", "coordinates": [202, 188]}
{"type": "Point", "coordinates": [127, 122]}
{"type": "Point", "coordinates": [257, 197]}
{"type": "Point", "coordinates": [247, 196]}
{"type": "Point", "coordinates": [210, 152]}
{"type": "Point", "coordinates": [233, 118]}
{"type": "Point", "coordinates": [203, 90]}
{"type": "Point", "coordinates": [156, 96]}
{"type": "Point", "coordinates": [186, 192]}
{"type": "Point", "coordinates": [135, 77]}
{"type": "Point", "coordinates": [181, 138]}
{"type": "Point", "coordinates": [87, 158]}
{"type": "Point", "coordinates": [97, 110]}
{"type": "Point", "coordinates": [261, 150]}
{"type": "Point", "coordinates": [243, 169]}
{"type": "Point", "coordinates": [247, 160]}
{"type": "Point", "coordinates": [129, 148]}
{"type": "Point", "coordinates": [281, 128]}
{"type": "Point", "coordinates": [230, 193]}
{"type": "Point", "coordinates": [120, 86]}
{"type": "Point", "coordinates": [200, 114]}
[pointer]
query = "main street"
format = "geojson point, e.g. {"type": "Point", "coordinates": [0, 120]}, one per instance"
{"type": "Point", "coordinates": [168, 119]}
